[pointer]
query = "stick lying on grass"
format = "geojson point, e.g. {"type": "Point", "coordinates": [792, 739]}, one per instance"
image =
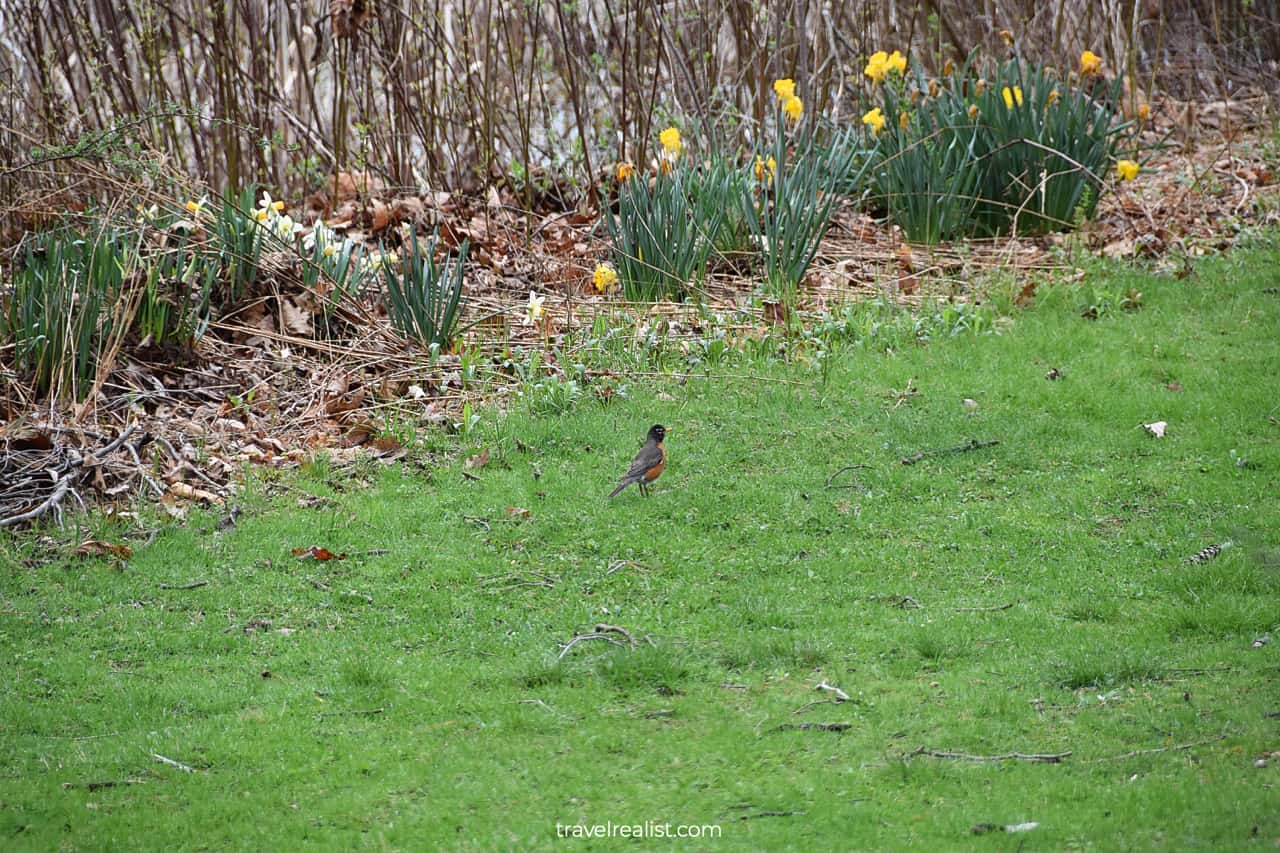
{"type": "Point", "coordinates": [175, 764]}
{"type": "Point", "coordinates": [1046, 757]}
{"type": "Point", "coordinates": [602, 632]}
{"type": "Point", "coordinates": [971, 444]}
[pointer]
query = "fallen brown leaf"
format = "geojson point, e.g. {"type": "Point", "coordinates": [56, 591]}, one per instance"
{"type": "Point", "coordinates": [97, 548]}
{"type": "Point", "coordinates": [191, 493]}
{"type": "Point", "coordinates": [1026, 296]}
{"type": "Point", "coordinates": [315, 552]}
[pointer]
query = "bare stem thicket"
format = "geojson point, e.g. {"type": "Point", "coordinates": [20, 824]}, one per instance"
{"type": "Point", "coordinates": [544, 94]}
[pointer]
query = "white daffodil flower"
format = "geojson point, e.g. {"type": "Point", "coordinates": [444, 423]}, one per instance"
{"type": "Point", "coordinates": [534, 310]}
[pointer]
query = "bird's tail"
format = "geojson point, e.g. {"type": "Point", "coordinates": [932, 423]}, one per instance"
{"type": "Point", "coordinates": [621, 486]}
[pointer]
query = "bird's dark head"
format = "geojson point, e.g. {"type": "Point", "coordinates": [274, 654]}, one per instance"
{"type": "Point", "coordinates": [657, 432]}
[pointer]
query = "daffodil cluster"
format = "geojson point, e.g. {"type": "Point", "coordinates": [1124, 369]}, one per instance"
{"type": "Point", "coordinates": [270, 214]}
{"type": "Point", "coordinates": [785, 89]}
{"type": "Point", "coordinates": [881, 64]}
{"type": "Point", "coordinates": [324, 242]}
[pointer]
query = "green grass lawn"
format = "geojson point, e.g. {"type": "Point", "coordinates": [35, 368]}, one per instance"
{"type": "Point", "coordinates": [1033, 596]}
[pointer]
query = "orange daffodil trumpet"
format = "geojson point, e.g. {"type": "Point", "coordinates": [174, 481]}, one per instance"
{"type": "Point", "coordinates": [1126, 170]}
{"type": "Point", "coordinates": [874, 119]}
{"type": "Point", "coordinates": [765, 169]}
{"type": "Point", "coordinates": [1090, 63]}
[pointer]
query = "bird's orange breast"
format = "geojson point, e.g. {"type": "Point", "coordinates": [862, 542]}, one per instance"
{"type": "Point", "coordinates": [653, 472]}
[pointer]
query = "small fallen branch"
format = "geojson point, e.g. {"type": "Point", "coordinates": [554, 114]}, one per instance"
{"type": "Point", "coordinates": [354, 713]}
{"type": "Point", "coordinates": [98, 786]}
{"type": "Point", "coordinates": [178, 765]}
{"type": "Point", "coordinates": [856, 482]}
{"type": "Point", "coordinates": [985, 609]}
{"type": "Point", "coordinates": [983, 828]}
{"type": "Point", "coordinates": [192, 585]}
{"type": "Point", "coordinates": [754, 815]}
{"type": "Point", "coordinates": [1180, 747]}
{"type": "Point", "coordinates": [820, 727]}
{"type": "Point", "coordinates": [517, 580]}
{"type": "Point", "coordinates": [1044, 757]}
{"type": "Point", "coordinates": [601, 632]}
{"type": "Point", "coordinates": [619, 565]}
{"type": "Point", "coordinates": [972, 444]}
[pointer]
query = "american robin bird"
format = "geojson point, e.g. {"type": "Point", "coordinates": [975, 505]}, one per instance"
{"type": "Point", "coordinates": [648, 463]}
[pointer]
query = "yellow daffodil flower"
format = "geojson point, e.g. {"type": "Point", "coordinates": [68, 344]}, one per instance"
{"type": "Point", "coordinates": [794, 108]}
{"type": "Point", "coordinates": [625, 170]}
{"type": "Point", "coordinates": [784, 88]}
{"type": "Point", "coordinates": [1144, 112]}
{"type": "Point", "coordinates": [670, 139]}
{"type": "Point", "coordinates": [877, 66]}
{"type": "Point", "coordinates": [1090, 63]}
{"type": "Point", "coordinates": [1011, 96]}
{"type": "Point", "coordinates": [1127, 170]}
{"type": "Point", "coordinates": [874, 119]}
{"type": "Point", "coordinates": [268, 203]}
{"type": "Point", "coordinates": [605, 278]}
{"type": "Point", "coordinates": [896, 62]}
{"type": "Point", "coordinates": [765, 168]}
{"type": "Point", "coordinates": [1053, 96]}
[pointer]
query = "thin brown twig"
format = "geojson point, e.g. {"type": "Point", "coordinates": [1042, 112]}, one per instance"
{"type": "Point", "coordinates": [972, 444]}
{"type": "Point", "coordinates": [1177, 748]}
{"type": "Point", "coordinates": [1044, 757]}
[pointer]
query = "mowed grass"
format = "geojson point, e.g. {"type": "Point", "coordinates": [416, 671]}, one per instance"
{"type": "Point", "coordinates": [1033, 596]}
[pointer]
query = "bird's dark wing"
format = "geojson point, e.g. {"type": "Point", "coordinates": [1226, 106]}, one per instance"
{"type": "Point", "coordinates": [649, 455]}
